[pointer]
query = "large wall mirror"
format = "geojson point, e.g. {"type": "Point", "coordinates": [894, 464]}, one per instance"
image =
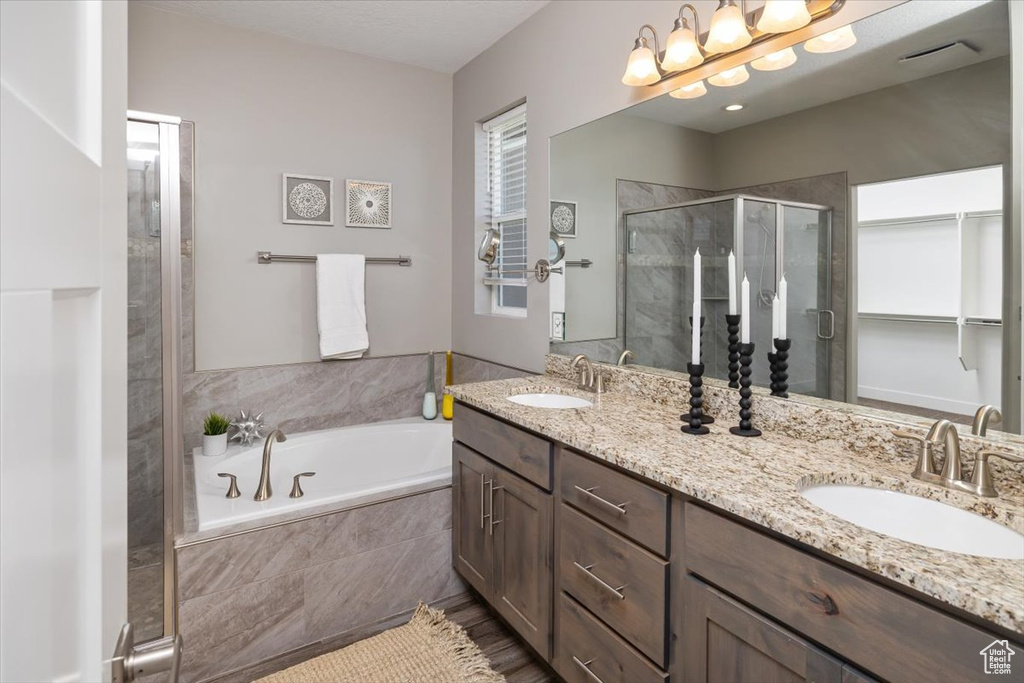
{"type": "Point", "coordinates": [874, 179]}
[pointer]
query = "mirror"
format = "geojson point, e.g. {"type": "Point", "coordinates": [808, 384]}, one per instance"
{"type": "Point", "coordinates": [556, 249]}
{"type": "Point", "coordinates": [873, 179]}
{"type": "Point", "coordinates": [488, 250]}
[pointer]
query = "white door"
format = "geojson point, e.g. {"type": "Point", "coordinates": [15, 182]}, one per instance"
{"type": "Point", "coordinates": [62, 338]}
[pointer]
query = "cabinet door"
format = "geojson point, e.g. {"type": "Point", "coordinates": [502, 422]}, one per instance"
{"type": "Point", "coordinates": [523, 566]}
{"type": "Point", "coordinates": [471, 541]}
{"type": "Point", "coordinates": [726, 641]}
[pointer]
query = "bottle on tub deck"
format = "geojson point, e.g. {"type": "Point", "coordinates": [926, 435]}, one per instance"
{"type": "Point", "coordinates": [430, 396]}
{"type": "Point", "coordinates": [447, 402]}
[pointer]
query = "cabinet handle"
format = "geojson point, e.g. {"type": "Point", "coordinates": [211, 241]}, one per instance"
{"type": "Point", "coordinates": [620, 509]}
{"type": "Point", "coordinates": [825, 601]}
{"type": "Point", "coordinates": [482, 487]}
{"type": "Point", "coordinates": [586, 667]}
{"type": "Point", "coordinates": [492, 488]}
{"type": "Point", "coordinates": [617, 592]}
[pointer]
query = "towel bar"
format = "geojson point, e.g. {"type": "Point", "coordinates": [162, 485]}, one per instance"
{"type": "Point", "coordinates": [266, 257]}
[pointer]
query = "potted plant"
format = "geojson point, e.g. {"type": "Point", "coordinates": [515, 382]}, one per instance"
{"type": "Point", "coordinates": [215, 434]}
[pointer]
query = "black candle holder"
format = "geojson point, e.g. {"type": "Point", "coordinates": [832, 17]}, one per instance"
{"type": "Point", "coordinates": [782, 367]}
{"type": "Point", "coordinates": [694, 422]}
{"type": "Point", "coordinates": [704, 417]}
{"type": "Point", "coordinates": [732, 324]}
{"type": "Point", "coordinates": [745, 428]}
{"type": "Point", "coordinates": [772, 370]}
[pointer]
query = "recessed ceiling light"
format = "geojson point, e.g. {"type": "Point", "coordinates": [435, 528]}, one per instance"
{"type": "Point", "coordinates": [733, 107]}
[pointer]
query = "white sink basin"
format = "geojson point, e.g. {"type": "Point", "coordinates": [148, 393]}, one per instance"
{"type": "Point", "coordinates": [556, 401]}
{"type": "Point", "coordinates": [918, 520]}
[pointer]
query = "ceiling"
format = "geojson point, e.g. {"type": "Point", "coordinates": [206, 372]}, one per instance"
{"type": "Point", "coordinates": [872, 63]}
{"type": "Point", "coordinates": [442, 35]}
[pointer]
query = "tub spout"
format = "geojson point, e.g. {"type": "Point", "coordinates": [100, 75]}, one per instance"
{"type": "Point", "coordinates": [263, 491]}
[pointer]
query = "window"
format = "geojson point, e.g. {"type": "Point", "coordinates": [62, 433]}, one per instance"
{"type": "Point", "coordinates": [505, 207]}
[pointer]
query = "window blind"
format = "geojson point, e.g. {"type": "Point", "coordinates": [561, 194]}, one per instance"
{"type": "Point", "coordinates": [506, 201]}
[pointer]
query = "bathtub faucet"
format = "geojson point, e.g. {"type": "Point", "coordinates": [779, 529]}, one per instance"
{"type": "Point", "coordinates": [263, 491]}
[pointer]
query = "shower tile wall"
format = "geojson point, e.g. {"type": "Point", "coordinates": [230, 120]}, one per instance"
{"type": "Point", "coordinates": [145, 433]}
{"type": "Point", "coordinates": [830, 190]}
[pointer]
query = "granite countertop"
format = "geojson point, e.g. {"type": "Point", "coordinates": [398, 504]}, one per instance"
{"type": "Point", "coordinates": [759, 479]}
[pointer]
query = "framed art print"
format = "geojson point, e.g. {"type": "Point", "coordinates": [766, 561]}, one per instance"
{"type": "Point", "coordinates": [563, 218]}
{"type": "Point", "coordinates": [367, 204]}
{"type": "Point", "coordinates": [307, 200]}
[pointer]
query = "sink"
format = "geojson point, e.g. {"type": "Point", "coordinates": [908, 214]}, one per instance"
{"type": "Point", "coordinates": [556, 401]}
{"type": "Point", "coordinates": [918, 520]}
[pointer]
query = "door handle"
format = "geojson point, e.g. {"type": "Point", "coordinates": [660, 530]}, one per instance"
{"type": "Point", "coordinates": [831, 324]}
{"type": "Point", "coordinates": [131, 662]}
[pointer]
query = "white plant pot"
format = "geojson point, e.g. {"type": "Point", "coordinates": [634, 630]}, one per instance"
{"type": "Point", "coordinates": [215, 445]}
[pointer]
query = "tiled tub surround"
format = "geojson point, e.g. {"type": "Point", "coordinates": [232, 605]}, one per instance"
{"type": "Point", "coordinates": [636, 426]}
{"type": "Point", "coordinates": [252, 596]}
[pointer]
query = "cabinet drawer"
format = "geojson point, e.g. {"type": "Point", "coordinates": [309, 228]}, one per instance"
{"type": "Point", "coordinates": [625, 504]}
{"type": "Point", "coordinates": [885, 632]}
{"type": "Point", "coordinates": [620, 582]}
{"type": "Point", "coordinates": [589, 651]}
{"type": "Point", "coordinates": [527, 455]}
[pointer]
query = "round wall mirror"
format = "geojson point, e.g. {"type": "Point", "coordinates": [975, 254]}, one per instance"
{"type": "Point", "coordinates": [488, 250]}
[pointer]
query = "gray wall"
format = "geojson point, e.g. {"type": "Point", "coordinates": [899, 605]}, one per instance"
{"type": "Point", "coordinates": [264, 105]}
{"type": "Point", "coordinates": [586, 162]}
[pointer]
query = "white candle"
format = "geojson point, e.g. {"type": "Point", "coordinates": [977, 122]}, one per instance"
{"type": "Point", "coordinates": [732, 283]}
{"type": "Point", "coordinates": [783, 302]}
{"type": "Point", "coordinates": [696, 276]}
{"type": "Point", "coordinates": [695, 345]}
{"type": "Point", "coordinates": [745, 311]}
{"type": "Point", "coordinates": [775, 317]}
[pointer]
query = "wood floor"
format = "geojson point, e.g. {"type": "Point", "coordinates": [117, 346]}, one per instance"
{"type": "Point", "coordinates": [507, 654]}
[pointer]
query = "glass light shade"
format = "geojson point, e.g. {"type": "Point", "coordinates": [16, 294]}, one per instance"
{"type": "Point", "coordinates": [780, 16]}
{"type": "Point", "coordinates": [641, 69]}
{"type": "Point", "coordinates": [776, 60]}
{"type": "Point", "coordinates": [728, 30]}
{"type": "Point", "coordinates": [833, 41]}
{"type": "Point", "coordinates": [682, 51]}
{"type": "Point", "coordinates": [730, 77]}
{"type": "Point", "coordinates": [690, 92]}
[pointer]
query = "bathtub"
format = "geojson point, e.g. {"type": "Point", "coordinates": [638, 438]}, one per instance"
{"type": "Point", "coordinates": [354, 466]}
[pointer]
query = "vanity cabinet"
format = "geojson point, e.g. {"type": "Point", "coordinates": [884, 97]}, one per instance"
{"type": "Point", "coordinates": [502, 527]}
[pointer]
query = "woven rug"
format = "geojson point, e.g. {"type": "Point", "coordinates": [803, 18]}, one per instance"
{"type": "Point", "coordinates": [429, 649]}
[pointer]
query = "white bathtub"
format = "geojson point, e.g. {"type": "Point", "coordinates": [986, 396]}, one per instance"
{"type": "Point", "coordinates": [353, 465]}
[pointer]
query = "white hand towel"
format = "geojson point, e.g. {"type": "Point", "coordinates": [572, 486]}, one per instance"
{"type": "Point", "coordinates": [341, 305]}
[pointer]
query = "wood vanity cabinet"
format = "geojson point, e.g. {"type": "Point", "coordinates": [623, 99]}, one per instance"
{"type": "Point", "coordinates": [502, 528]}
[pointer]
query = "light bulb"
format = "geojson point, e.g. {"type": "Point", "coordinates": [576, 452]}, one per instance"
{"type": "Point", "coordinates": [780, 16]}
{"type": "Point", "coordinates": [776, 60]}
{"type": "Point", "coordinates": [730, 77]}
{"type": "Point", "coordinates": [641, 69]}
{"type": "Point", "coordinates": [690, 92]}
{"type": "Point", "coordinates": [833, 41]}
{"type": "Point", "coordinates": [728, 30]}
{"type": "Point", "coordinates": [682, 51]}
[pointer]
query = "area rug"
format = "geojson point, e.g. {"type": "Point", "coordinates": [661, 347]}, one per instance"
{"type": "Point", "coordinates": [429, 649]}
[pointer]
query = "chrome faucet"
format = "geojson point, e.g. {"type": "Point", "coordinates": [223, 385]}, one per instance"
{"type": "Point", "coordinates": [625, 357]}
{"type": "Point", "coordinates": [985, 414]}
{"type": "Point", "coordinates": [590, 379]}
{"type": "Point", "coordinates": [263, 491]}
{"type": "Point", "coordinates": [951, 476]}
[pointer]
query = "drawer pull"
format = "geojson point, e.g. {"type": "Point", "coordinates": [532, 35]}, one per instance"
{"type": "Point", "coordinates": [586, 667]}
{"type": "Point", "coordinates": [620, 509]}
{"type": "Point", "coordinates": [825, 602]}
{"type": "Point", "coordinates": [617, 592]}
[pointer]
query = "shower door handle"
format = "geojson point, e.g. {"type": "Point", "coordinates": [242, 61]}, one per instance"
{"type": "Point", "coordinates": [831, 324]}
{"type": "Point", "coordinates": [131, 661]}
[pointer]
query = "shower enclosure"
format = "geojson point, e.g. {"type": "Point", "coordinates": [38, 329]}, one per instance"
{"type": "Point", "coordinates": [769, 237]}
{"type": "Point", "coordinates": [153, 420]}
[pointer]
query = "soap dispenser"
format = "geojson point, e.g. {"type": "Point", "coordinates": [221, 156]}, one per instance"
{"type": "Point", "coordinates": [430, 396]}
{"type": "Point", "coordinates": [448, 401]}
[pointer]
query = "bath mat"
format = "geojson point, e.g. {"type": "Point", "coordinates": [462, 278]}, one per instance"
{"type": "Point", "coordinates": [429, 649]}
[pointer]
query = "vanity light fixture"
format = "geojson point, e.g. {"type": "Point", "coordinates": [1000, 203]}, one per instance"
{"type": "Point", "coordinates": [732, 28]}
{"type": "Point", "coordinates": [733, 107]}
{"type": "Point", "coordinates": [775, 61]}
{"type": "Point", "coordinates": [782, 16]}
{"type": "Point", "coordinates": [690, 92]}
{"type": "Point", "coordinates": [730, 77]}
{"type": "Point", "coordinates": [728, 30]}
{"type": "Point", "coordinates": [833, 41]}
